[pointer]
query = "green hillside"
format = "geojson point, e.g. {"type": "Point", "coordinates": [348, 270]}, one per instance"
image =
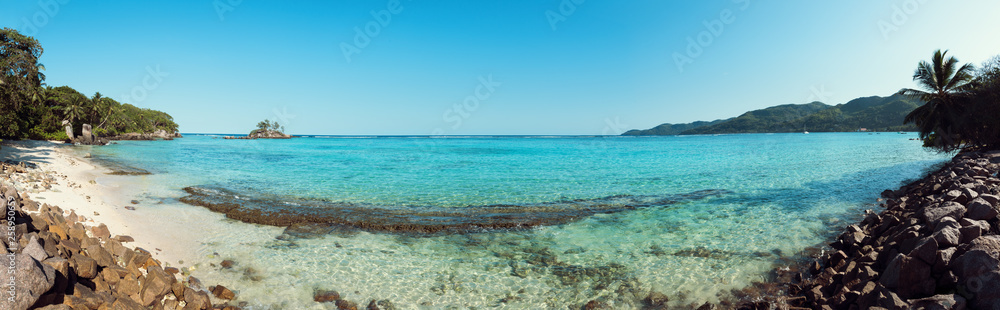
{"type": "Point", "coordinates": [671, 129]}
{"type": "Point", "coordinates": [871, 113]}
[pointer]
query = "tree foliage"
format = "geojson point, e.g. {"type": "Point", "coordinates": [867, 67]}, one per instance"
{"type": "Point", "coordinates": [962, 105]}
{"type": "Point", "coordinates": [946, 98]}
{"type": "Point", "coordinates": [31, 109]}
{"type": "Point", "coordinates": [20, 78]}
{"type": "Point", "coordinates": [268, 126]}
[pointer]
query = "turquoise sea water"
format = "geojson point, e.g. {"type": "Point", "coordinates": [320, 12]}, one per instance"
{"type": "Point", "coordinates": [781, 193]}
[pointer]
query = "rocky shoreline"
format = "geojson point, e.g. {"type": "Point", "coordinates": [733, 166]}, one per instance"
{"type": "Point", "coordinates": [936, 245]}
{"type": "Point", "coordinates": [57, 262]}
{"type": "Point", "coordinates": [58, 259]}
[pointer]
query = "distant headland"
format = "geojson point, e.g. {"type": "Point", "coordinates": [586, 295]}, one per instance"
{"type": "Point", "coordinates": [862, 114]}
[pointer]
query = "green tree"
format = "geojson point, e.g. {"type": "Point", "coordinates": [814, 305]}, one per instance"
{"type": "Point", "coordinates": [73, 110]}
{"type": "Point", "coordinates": [20, 79]}
{"type": "Point", "coordinates": [946, 96]}
{"type": "Point", "coordinates": [980, 128]}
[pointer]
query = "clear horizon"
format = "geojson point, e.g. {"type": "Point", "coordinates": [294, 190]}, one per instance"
{"type": "Point", "coordinates": [491, 68]}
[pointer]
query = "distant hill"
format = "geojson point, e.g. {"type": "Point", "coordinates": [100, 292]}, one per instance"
{"type": "Point", "coordinates": [872, 113]}
{"type": "Point", "coordinates": [671, 129]}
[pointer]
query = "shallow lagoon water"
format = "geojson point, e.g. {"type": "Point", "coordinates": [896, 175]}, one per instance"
{"type": "Point", "coordinates": [784, 193]}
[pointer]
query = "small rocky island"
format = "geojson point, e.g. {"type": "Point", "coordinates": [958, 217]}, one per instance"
{"type": "Point", "coordinates": [266, 129]}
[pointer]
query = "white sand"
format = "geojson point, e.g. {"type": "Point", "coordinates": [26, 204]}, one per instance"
{"type": "Point", "coordinates": [80, 187]}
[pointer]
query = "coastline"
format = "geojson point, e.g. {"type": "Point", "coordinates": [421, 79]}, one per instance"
{"type": "Point", "coordinates": [77, 246]}
{"type": "Point", "coordinates": [79, 186]}
{"type": "Point", "coordinates": [72, 166]}
{"type": "Point", "coordinates": [932, 244]}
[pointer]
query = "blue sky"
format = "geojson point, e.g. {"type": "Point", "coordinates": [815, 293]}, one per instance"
{"type": "Point", "coordinates": [490, 67]}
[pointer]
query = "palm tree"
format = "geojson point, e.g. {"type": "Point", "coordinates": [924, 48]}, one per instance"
{"type": "Point", "coordinates": [74, 109]}
{"type": "Point", "coordinates": [947, 93]}
{"type": "Point", "coordinates": [95, 107]}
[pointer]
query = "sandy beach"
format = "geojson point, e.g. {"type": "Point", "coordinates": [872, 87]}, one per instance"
{"type": "Point", "coordinates": [83, 242]}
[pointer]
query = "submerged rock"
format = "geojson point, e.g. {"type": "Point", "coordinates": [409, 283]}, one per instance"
{"type": "Point", "coordinates": [303, 214]}
{"type": "Point", "coordinates": [326, 296]}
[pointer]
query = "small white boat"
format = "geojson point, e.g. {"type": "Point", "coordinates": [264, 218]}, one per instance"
{"type": "Point", "coordinates": [805, 132]}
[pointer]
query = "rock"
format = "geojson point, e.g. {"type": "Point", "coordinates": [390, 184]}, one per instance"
{"type": "Point", "coordinates": [926, 251]}
{"type": "Point", "coordinates": [126, 304]}
{"type": "Point", "coordinates": [954, 195]}
{"type": "Point", "coordinates": [116, 249]}
{"type": "Point", "coordinates": [99, 254]}
{"type": "Point", "coordinates": [326, 296]}
{"type": "Point", "coordinates": [991, 199]}
{"type": "Point", "coordinates": [33, 280]}
{"type": "Point", "coordinates": [947, 281]}
{"type": "Point", "coordinates": [85, 267]}
{"type": "Point", "coordinates": [194, 282]}
{"type": "Point", "coordinates": [967, 234]}
{"type": "Point", "coordinates": [226, 264]}
{"type": "Point", "coordinates": [385, 304]}
{"type": "Point", "coordinates": [101, 232]}
{"type": "Point", "coordinates": [87, 296]}
{"type": "Point", "coordinates": [60, 231]}
{"type": "Point", "coordinates": [943, 260]}
{"type": "Point", "coordinates": [978, 272]}
{"type": "Point", "coordinates": [890, 300]}
{"type": "Point", "coordinates": [77, 234]}
{"type": "Point", "coordinates": [969, 194]}
{"type": "Point", "coordinates": [68, 127]}
{"type": "Point", "coordinates": [56, 307]}
{"type": "Point", "coordinates": [910, 277]}
{"type": "Point", "coordinates": [86, 137]}
{"type": "Point", "coordinates": [35, 250]}
{"type": "Point", "coordinates": [346, 305]}
{"type": "Point", "coordinates": [129, 285]}
{"type": "Point", "coordinates": [196, 300]}
{"type": "Point", "coordinates": [947, 232]}
{"type": "Point", "coordinates": [656, 300]}
{"type": "Point", "coordinates": [123, 239]}
{"type": "Point", "coordinates": [939, 302]}
{"type": "Point", "coordinates": [62, 268]}
{"type": "Point", "coordinates": [594, 304]}
{"type": "Point", "coordinates": [158, 283]}
{"type": "Point", "coordinates": [947, 209]}
{"type": "Point", "coordinates": [222, 292]}
{"type": "Point", "coordinates": [980, 209]}
{"type": "Point", "coordinates": [139, 258]}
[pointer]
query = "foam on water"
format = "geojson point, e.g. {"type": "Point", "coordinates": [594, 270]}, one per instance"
{"type": "Point", "coordinates": [787, 192]}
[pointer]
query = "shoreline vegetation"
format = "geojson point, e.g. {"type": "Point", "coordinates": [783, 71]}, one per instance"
{"type": "Point", "coordinates": [30, 109]}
